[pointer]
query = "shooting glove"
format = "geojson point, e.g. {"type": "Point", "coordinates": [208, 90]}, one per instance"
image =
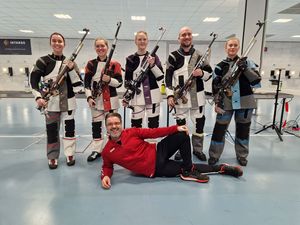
{"type": "Point", "coordinates": [242, 64]}
{"type": "Point", "coordinates": [216, 84]}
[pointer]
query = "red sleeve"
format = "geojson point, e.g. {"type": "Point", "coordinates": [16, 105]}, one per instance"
{"type": "Point", "coordinates": [117, 73]}
{"type": "Point", "coordinates": [117, 68]}
{"type": "Point", "coordinates": [156, 132]}
{"type": "Point", "coordinates": [88, 75]}
{"type": "Point", "coordinates": [107, 165]}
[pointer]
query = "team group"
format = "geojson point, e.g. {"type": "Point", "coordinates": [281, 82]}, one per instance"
{"type": "Point", "coordinates": [128, 147]}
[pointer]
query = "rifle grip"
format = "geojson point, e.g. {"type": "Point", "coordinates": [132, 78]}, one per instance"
{"type": "Point", "coordinates": [184, 100]}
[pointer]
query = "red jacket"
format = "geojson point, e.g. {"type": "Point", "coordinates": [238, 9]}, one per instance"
{"type": "Point", "coordinates": [132, 152]}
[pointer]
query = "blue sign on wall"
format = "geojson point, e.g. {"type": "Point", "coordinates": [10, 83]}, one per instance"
{"type": "Point", "coordinates": [15, 47]}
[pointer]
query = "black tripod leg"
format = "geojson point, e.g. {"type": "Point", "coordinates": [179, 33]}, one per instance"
{"type": "Point", "coordinates": [273, 125]}
{"type": "Point", "coordinates": [281, 116]}
{"type": "Point", "coordinates": [278, 133]}
{"type": "Point", "coordinates": [264, 128]}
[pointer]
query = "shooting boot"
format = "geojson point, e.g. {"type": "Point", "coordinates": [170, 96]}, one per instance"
{"type": "Point", "coordinates": [242, 161]}
{"type": "Point", "coordinates": [52, 163]}
{"type": "Point", "coordinates": [197, 142]}
{"type": "Point", "coordinates": [70, 160]}
{"type": "Point", "coordinates": [97, 148]}
{"type": "Point", "coordinates": [234, 171]}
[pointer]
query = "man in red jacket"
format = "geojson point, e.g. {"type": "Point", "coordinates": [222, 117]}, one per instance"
{"type": "Point", "coordinates": [129, 149]}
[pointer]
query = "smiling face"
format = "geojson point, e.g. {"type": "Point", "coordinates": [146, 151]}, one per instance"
{"type": "Point", "coordinates": [57, 43]}
{"type": "Point", "coordinates": [185, 37]}
{"type": "Point", "coordinates": [101, 48]}
{"type": "Point", "coordinates": [114, 127]}
{"type": "Point", "coordinates": [141, 41]}
{"type": "Point", "coordinates": [232, 47]}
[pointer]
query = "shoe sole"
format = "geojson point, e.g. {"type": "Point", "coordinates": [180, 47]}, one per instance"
{"type": "Point", "coordinates": [193, 179]}
{"type": "Point", "coordinates": [71, 163]}
{"type": "Point", "coordinates": [93, 159]}
{"type": "Point", "coordinates": [52, 167]}
{"type": "Point", "coordinates": [239, 171]}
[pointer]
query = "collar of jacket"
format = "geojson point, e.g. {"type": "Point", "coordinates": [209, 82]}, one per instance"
{"type": "Point", "coordinates": [57, 57]}
{"type": "Point", "coordinates": [231, 60]}
{"type": "Point", "coordinates": [190, 52]}
{"type": "Point", "coordinates": [98, 59]}
{"type": "Point", "coordinates": [138, 55]}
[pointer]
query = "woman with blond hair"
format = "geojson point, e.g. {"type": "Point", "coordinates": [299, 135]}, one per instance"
{"type": "Point", "coordinates": [147, 102]}
{"type": "Point", "coordinates": [108, 100]}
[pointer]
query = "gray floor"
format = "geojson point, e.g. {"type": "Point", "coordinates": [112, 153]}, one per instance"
{"type": "Point", "coordinates": [31, 194]}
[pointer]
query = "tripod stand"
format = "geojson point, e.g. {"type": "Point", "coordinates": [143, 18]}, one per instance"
{"type": "Point", "coordinates": [273, 125]}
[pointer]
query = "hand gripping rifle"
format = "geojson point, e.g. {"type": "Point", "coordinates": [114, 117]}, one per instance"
{"type": "Point", "coordinates": [52, 88]}
{"type": "Point", "coordinates": [228, 81]}
{"type": "Point", "coordinates": [133, 86]}
{"type": "Point", "coordinates": [97, 90]}
{"type": "Point", "coordinates": [180, 92]}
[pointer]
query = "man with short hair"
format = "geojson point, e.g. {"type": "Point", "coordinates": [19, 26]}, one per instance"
{"type": "Point", "coordinates": [180, 65]}
{"type": "Point", "coordinates": [129, 149]}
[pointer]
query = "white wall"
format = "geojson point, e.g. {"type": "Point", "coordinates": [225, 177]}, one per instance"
{"type": "Point", "coordinates": [279, 54]}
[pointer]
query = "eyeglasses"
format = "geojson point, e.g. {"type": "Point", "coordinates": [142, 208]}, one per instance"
{"type": "Point", "coordinates": [113, 124]}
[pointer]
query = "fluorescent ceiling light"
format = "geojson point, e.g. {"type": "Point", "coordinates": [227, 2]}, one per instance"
{"type": "Point", "coordinates": [141, 18]}
{"type": "Point", "coordinates": [211, 19]}
{"type": "Point", "coordinates": [82, 32]}
{"type": "Point", "coordinates": [62, 16]}
{"type": "Point", "coordinates": [296, 36]}
{"type": "Point", "coordinates": [195, 34]}
{"type": "Point", "coordinates": [135, 33]}
{"type": "Point", "coordinates": [282, 20]}
{"type": "Point", "coordinates": [26, 31]}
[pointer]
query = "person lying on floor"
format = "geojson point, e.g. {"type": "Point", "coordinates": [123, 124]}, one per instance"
{"type": "Point", "coordinates": [128, 148]}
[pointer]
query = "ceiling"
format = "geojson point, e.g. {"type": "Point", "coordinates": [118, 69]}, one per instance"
{"type": "Point", "coordinates": [101, 18]}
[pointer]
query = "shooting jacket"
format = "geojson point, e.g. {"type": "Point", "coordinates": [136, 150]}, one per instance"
{"type": "Point", "coordinates": [133, 68]}
{"type": "Point", "coordinates": [46, 70]}
{"type": "Point", "coordinates": [242, 93]}
{"type": "Point", "coordinates": [108, 100]}
{"type": "Point", "coordinates": [180, 65]}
